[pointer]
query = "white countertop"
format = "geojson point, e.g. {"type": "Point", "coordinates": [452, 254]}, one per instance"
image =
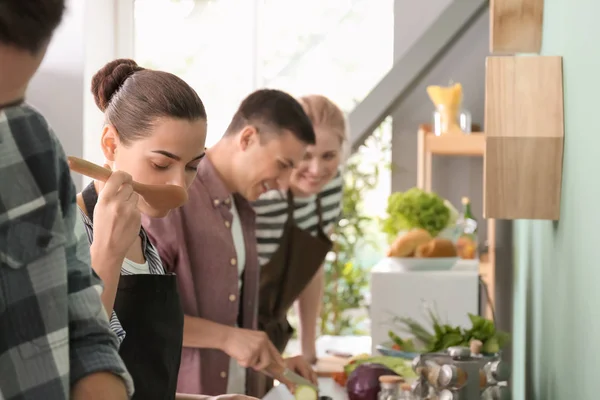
{"type": "Point", "coordinates": [354, 345]}
{"type": "Point", "coordinates": [327, 387]}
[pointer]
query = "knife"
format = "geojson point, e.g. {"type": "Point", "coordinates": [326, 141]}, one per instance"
{"type": "Point", "coordinates": [297, 379]}
{"type": "Point", "coordinates": [283, 374]}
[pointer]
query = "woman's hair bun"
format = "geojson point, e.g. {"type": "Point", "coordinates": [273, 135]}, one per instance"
{"type": "Point", "coordinates": [110, 78]}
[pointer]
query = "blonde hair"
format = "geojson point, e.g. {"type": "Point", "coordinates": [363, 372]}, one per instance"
{"type": "Point", "coordinates": [324, 113]}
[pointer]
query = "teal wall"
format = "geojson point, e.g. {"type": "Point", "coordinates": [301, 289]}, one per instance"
{"type": "Point", "coordinates": [557, 265]}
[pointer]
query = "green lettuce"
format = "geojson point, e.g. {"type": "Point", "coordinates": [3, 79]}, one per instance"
{"type": "Point", "coordinates": [417, 208]}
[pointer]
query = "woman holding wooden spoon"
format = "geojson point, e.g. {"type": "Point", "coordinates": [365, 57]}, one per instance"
{"type": "Point", "coordinates": [154, 133]}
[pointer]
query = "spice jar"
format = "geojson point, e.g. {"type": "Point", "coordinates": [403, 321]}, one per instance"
{"type": "Point", "coordinates": [390, 387]}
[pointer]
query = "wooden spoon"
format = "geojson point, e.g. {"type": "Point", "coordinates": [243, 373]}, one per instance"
{"type": "Point", "coordinates": [161, 197]}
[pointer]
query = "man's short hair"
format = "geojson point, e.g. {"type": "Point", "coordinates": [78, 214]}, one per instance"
{"type": "Point", "coordinates": [29, 24]}
{"type": "Point", "coordinates": [275, 110]}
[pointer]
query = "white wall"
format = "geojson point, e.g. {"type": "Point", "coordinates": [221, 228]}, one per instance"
{"type": "Point", "coordinates": [82, 44]}
{"type": "Point", "coordinates": [57, 88]}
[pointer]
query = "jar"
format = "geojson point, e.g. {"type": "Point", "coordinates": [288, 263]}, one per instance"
{"type": "Point", "coordinates": [465, 122]}
{"type": "Point", "coordinates": [406, 392]}
{"type": "Point", "coordinates": [447, 120]}
{"type": "Point", "coordinates": [390, 385]}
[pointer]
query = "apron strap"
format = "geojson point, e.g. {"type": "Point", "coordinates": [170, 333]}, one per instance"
{"type": "Point", "coordinates": [286, 231]}
{"type": "Point", "coordinates": [290, 205]}
{"type": "Point", "coordinates": [90, 198]}
{"type": "Point", "coordinates": [319, 211]}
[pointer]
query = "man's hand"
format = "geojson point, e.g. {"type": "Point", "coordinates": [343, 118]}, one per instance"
{"type": "Point", "coordinates": [99, 386]}
{"type": "Point", "coordinates": [251, 349]}
{"type": "Point", "coordinates": [299, 365]}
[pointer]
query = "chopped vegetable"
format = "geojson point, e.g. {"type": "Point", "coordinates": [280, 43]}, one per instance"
{"type": "Point", "coordinates": [340, 378]}
{"type": "Point", "coordinates": [304, 392]}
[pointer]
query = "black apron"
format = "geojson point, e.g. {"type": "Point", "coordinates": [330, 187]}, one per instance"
{"type": "Point", "coordinates": [291, 268]}
{"type": "Point", "coordinates": [150, 312]}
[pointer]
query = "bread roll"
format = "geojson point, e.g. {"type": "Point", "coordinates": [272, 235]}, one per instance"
{"type": "Point", "coordinates": [436, 248]}
{"type": "Point", "coordinates": [406, 244]}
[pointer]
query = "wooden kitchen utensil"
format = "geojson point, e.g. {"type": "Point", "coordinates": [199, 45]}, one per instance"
{"type": "Point", "coordinates": [524, 129]}
{"type": "Point", "coordinates": [161, 197]}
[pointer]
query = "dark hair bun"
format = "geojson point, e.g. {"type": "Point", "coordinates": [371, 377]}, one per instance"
{"type": "Point", "coordinates": [109, 79]}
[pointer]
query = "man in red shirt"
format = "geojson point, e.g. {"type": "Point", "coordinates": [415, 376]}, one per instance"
{"type": "Point", "coordinates": [210, 244]}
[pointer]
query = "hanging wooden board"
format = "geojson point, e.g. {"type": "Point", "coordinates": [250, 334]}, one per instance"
{"type": "Point", "coordinates": [524, 137]}
{"type": "Point", "coordinates": [516, 26]}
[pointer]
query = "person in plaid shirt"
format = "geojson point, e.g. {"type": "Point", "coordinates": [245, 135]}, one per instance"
{"type": "Point", "coordinates": [55, 341]}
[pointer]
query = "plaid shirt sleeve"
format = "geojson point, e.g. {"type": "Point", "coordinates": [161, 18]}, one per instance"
{"type": "Point", "coordinates": [53, 329]}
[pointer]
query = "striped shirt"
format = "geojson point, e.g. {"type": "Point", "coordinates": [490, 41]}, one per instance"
{"type": "Point", "coordinates": [271, 215]}
{"type": "Point", "coordinates": [153, 265]}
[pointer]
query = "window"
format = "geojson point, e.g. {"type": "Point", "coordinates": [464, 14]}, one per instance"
{"type": "Point", "coordinates": [227, 48]}
{"type": "Point", "coordinates": [340, 48]}
{"type": "Point", "coordinates": [208, 43]}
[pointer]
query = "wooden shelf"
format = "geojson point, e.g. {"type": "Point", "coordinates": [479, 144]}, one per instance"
{"type": "Point", "coordinates": [472, 145]}
{"type": "Point", "coordinates": [455, 144]}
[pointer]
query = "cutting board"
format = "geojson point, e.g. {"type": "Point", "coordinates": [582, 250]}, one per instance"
{"type": "Point", "coordinates": [327, 387]}
{"type": "Point", "coordinates": [329, 365]}
{"type": "Point", "coordinates": [516, 26]}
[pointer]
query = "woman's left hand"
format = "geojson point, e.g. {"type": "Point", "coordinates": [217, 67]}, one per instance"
{"type": "Point", "coordinates": [310, 358]}
{"type": "Point", "coordinates": [299, 365]}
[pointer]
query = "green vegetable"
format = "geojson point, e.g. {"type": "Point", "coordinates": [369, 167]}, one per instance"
{"type": "Point", "coordinates": [416, 208]}
{"type": "Point", "coordinates": [406, 345]}
{"type": "Point", "coordinates": [304, 392]}
{"type": "Point", "coordinates": [399, 365]}
{"type": "Point", "coordinates": [447, 335]}
{"type": "Point", "coordinates": [483, 329]}
{"type": "Point", "coordinates": [416, 329]}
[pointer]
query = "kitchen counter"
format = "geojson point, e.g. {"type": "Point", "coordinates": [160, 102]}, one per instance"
{"type": "Point", "coordinates": [327, 387]}
{"type": "Point", "coordinates": [353, 345]}
{"type": "Point", "coordinates": [344, 344]}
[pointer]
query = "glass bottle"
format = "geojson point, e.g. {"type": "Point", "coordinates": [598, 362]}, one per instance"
{"type": "Point", "coordinates": [466, 245]}
{"type": "Point", "coordinates": [389, 387]}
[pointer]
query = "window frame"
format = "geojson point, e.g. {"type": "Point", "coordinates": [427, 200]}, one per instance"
{"type": "Point", "coordinates": [125, 35]}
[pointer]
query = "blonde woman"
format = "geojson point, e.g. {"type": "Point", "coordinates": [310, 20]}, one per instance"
{"type": "Point", "coordinates": [293, 230]}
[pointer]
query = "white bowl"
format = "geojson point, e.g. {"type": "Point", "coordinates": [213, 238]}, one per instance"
{"type": "Point", "coordinates": [423, 264]}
